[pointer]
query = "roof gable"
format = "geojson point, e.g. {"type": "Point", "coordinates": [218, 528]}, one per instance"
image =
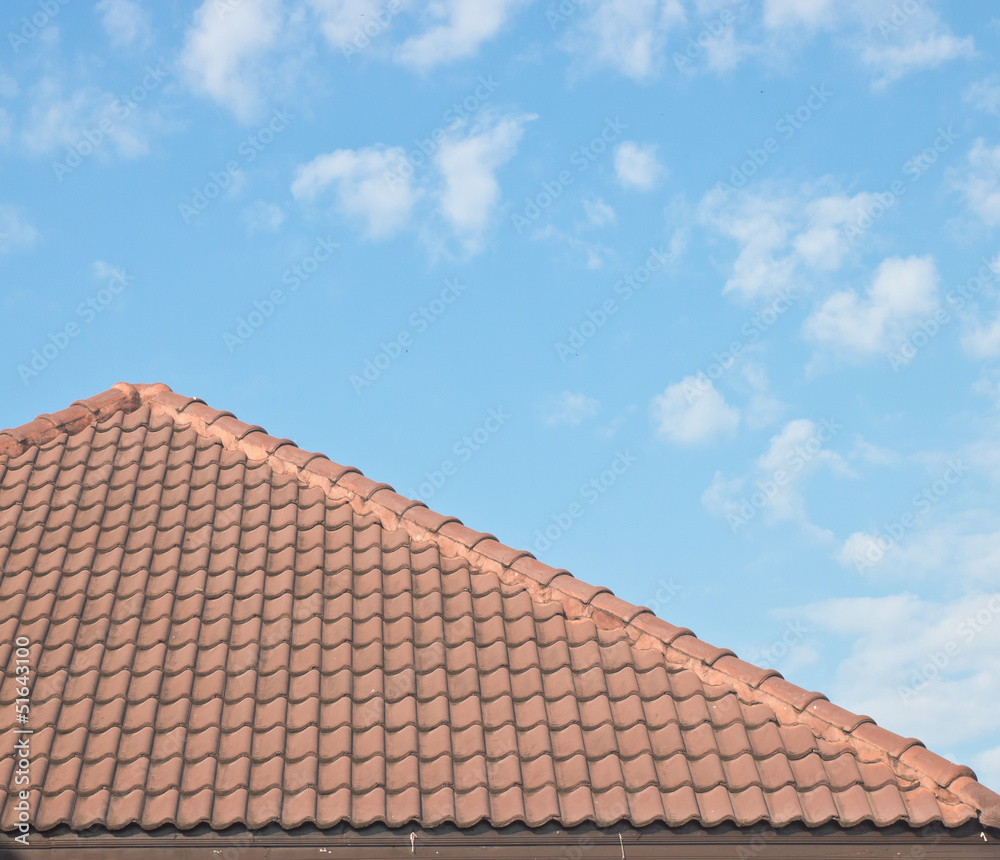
{"type": "Point", "coordinates": [225, 628]}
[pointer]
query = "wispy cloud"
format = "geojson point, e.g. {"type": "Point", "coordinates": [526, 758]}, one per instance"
{"type": "Point", "coordinates": [979, 182]}
{"type": "Point", "coordinates": [360, 186]}
{"type": "Point", "coordinates": [628, 36]}
{"type": "Point", "coordinates": [226, 49]}
{"type": "Point", "coordinates": [782, 235]}
{"type": "Point", "coordinates": [693, 412]}
{"type": "Point", "coordinates": [458, 30]}
{"type": "Point", "coordinates": [773, 487]}
{"type": "Point", "coordinates": [16, 234]}
{"type": "Point", "coordinates": [468, 161]}
{"type": "Point", "coordinates": [263, 217]}
{"type": "Point", "coordinates": [984, 95]}
{"type": "Point", "coordinates": [126, 23]}
{"type": "Point", "coordinates": [636, 165]}
{"type": "Point", "coordinates": [570, 409]}
{"type": "Point", "coordinates": [902, 293]}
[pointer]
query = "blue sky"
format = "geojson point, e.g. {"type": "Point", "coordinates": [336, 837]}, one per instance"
{"type": "Point", "coordinates": [696, 299]}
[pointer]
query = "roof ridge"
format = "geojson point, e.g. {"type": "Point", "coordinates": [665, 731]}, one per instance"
{"type": "Point", "coordinates": [907, 756]}
{"type": "Point", "coordinates": [121, 397]}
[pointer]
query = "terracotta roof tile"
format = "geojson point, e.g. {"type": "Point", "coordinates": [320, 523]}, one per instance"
{"type": "Point", "coordinates": [226, 628]}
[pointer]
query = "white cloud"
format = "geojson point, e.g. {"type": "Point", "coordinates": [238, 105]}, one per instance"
{"type": "Point", "coordinates": [723, 52]}
{"type": "Point", "coordinates": [609, 430]}
{"type": "Point", "coordinates": [224, 51]}
{"type": "Point", "coordinates": [627, 35]}
{"type": "Point", "coordinates": [376, 183]}
{"type": "Point", "coordinates": [893, 40]}
{"type": "Point", "coordinates": [982, 341]}
{"type": "Point", "coordinates": [798, 448]}
{"type": "Point", "coordinates": [773, 486]}
{"type": "Point", "coordinates": [981, 338]}
{"type": "Point", "coordinates": [570, 409]}
{"type": "Point", "coordinates": [911, 660]}
{"type": "Point", "coordinates": [263, 217]}
{"type": "Point", "coordinates": [102, 271]}
{"type": "Point", "coordinates": [461, 28]}
{"type": "Point", "coordinates": [54, 122]}
{"type": "Point", "coordinates": [239, 181]}
{"type": "Point", "coordinates": [468, 162]}
{"type": "Point", "coordinates": [983, 455]}
{"type": "Point", "coordinates": [370, 183]}
{"type": "Point", "coordinates": [636, 165]}
{"type": "Point", "coordinates": [892, 62]}
{"type": "Point", "coordinates": [987, 767]}
{"type": "Point", "coordinates": [921, 539]}
{"type": "Point", "coordinates": [763, 409]}
{"type": "Point", "coordinates": [592, 253]}
{"type": "Point", "coordinates": [341, 20]}
{"type": "Point", "coordinates": [823, 243]}
{"type": "Point", "coordinates": [598, 212]}
{"type": "Point", "coordinates": [903, 292]}
{"type": "Point", "coordinates": [693, 412]}
{"type": "Point", "coordinates": [858, 548]}
{"type": "Point", "coordinates": [781, 234]}
{"type": "Point", "coordinates": [980, 182]}
{"type": "Point", "coordinates": [126, 23]}
{"type": "Point", "coordinates": [876, 455]}
{"type": "Point", "coordinates": [890, 40]}
{"type": "Point", "coordinates": [810, 14]}
{"type": "Point", "coordinates": [15, 232]}
{"type": "Point", "coordinates": [984, 95]}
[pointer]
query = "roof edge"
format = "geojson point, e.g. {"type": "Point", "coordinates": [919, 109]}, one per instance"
{"type": "Point", "coordinates": [121, 397]}
{"type": "Point", "coordinates": [907, 756]}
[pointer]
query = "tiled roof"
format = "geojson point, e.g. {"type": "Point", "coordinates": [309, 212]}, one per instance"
{"type": "Point", "coordinates": [224, 628]}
